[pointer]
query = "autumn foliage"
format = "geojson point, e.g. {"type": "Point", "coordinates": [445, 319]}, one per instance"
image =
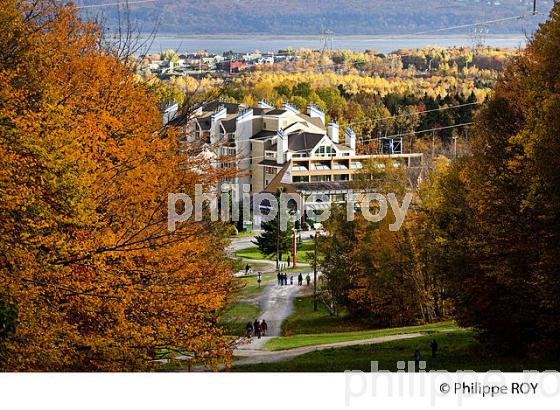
{"type": "Point", "coordinates": [503, 207]}
{"type": "Point", "coordinates": [90, 278]}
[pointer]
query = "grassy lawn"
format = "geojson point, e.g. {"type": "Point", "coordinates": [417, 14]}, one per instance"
{"type": "Point", "coordinates": [305, 327]}
{"type": "Point", "coordinates": [235, 317]}
{"type": "Point", "coordinates": [457, 351]}
{"type": "Point", "coordinates": [244, 234]}
{"type": "Point", "coordinates": [304, 320]}
{"type": "Point", "coordinates": [254, 253]}
{"type": "Point", "coordinates": [291, 342]}
{"type": "Point", "coordinates": [250, 286]}
{"type": "Point", "coordinates": [240, 310]}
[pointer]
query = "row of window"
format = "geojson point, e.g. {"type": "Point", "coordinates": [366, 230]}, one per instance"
{"type": "Point", "coordinates": [325, 151]}
{"type": "Point", "coordinates": [319, 166]}
{"type": "Point", "coordinates": [321, 178]}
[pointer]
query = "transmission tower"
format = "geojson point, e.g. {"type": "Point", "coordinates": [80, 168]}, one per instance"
{"type": "Point", "coordinates": [327, 37]}
{"type": "Point", "coordinates": [478, 35]}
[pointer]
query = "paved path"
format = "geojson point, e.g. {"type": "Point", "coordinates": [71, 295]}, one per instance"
{"type": "Point", "coordinates": [256, 355]}
{"type": "Point", "coordinates": [276, 303]}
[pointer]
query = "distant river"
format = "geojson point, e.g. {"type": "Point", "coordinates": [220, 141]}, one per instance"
{"type": "Point", "coordinates": [219, 44]}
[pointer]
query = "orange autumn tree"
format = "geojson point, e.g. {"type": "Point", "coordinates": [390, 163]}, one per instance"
{"type": "Point", "coordinates": [90, 277]}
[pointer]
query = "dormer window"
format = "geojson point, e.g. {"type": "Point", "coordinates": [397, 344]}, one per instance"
{"type": "Point", "coordinates": [325, 151]}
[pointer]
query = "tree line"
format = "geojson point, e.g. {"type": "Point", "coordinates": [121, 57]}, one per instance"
{"type": "Point", "coordinates": [482, 245]}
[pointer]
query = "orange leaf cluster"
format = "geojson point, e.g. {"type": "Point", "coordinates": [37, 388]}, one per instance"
{"type": "Point", "coordinates": [86, 261]}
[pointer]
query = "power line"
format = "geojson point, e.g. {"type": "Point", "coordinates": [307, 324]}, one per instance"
{"type": "Point", "coordinates": [479, 23]}
{"type": "Point", "coordinates": [465, 124]}
{"type": "Point", "coordinates": [415, 113]}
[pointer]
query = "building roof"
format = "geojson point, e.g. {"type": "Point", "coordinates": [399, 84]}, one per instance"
{"type": "Point", "coordinates": [264, 135]}
{"type": "Point", "coordinates": [205, 122]}
{"type": "Point", "coordinates": [270, 163]}
{"type": "Point", "coordinates": [302, 142]}
{"type": "Point", "coordinates": [342, 147]}
{"type": "Point", "coordinates": [232, 108]}
{"type": "Point", "coordinates": [180, 120]}
{"type": "Point", "coordinates": [277, 183]}
{"type": "Point", "coordinates": [313, 120]}
{"type": "Point", "coordinates": [260, 111]}
{"type": "Point", "coordinates": [230, 125]}
{"type": "Point", "coordinates": [276, 112]}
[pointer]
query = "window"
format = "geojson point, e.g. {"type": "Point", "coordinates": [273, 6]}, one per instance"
{"type": "Point", "coordinates": [300, 179]}
{"type": "Point", "coordinates": [339, 165]}
{"type": "Point", "coordinates": [341, 177]}
{"type": "Point", "coordinates": [325, 151]}
{"type": "Point", "coordinates": [227, 151]}
{"type": "Point", "coordinates": [320, 178]}
{"type": "Point", "coordinates": [270, 155]}
{"type": "Point", "coordinates": [357, 165]}
{"type": "Point", "coordinates": [318, 166]}
{"type": "Point", "coordinates": [270, 170]}
{"type": "Point", "coordinates": [299, 167]}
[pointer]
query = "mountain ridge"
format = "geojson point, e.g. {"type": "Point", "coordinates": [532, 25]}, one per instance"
{"type": "Point", "coordinates": [343, 17]}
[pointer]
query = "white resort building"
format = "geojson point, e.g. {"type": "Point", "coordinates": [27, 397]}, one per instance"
{"type": "Point", "coordinates": [284, 148]}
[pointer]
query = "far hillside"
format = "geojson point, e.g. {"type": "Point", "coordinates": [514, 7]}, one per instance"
{"type": "Point", "coordinates": [344, 17]}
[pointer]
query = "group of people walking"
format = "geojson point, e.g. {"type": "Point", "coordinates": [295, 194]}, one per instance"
{"type": "Point", "coordinates": [283, 279]}
{"type": "Point", "coordinates": [257, 328]}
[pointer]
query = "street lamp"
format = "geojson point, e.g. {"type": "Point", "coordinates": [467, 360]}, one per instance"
{"type": "Point", "coordinates": [294, 250]}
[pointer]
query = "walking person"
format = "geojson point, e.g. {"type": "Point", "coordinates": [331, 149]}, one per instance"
{"type": "Point", "coordinates": [247, 267]}
{"type": "Point", "coordinates": [417, 358]}
{"type": "Point", "coordinates": [288, 260]}
{"type": "Point", "coordinates": [248, 330]}
{"type": "Point", "coordinates": [308, 279]}
{"type": "Point", "coordinates": [291, 279]}
{"type": "Point", "coordinates": [257, 328]}
{"type": "Point", "coordinates": [300, 279]}
{"type": "Point", "coordinates": [434, 346]}
{"type": "Point", "coordinates": [279, 277]}
{"type": "Point", "coordinates": [264, 327]}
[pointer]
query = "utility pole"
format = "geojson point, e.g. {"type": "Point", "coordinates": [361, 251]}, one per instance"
{"type": "Point", "coordinates": [315, 274]}
{"type": "Point", "coordinates": [534, 7]}
{"type": "Point", "coordinates": [278, 241]}
{"type": "Point", "coordinates": [455, 147]}
{"type": "Point", "coordinates": [433, 144]}
{"type": "Point", "coordinates": [294, 251]}
{"type": "Point", "coordinates": [279, 192]}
